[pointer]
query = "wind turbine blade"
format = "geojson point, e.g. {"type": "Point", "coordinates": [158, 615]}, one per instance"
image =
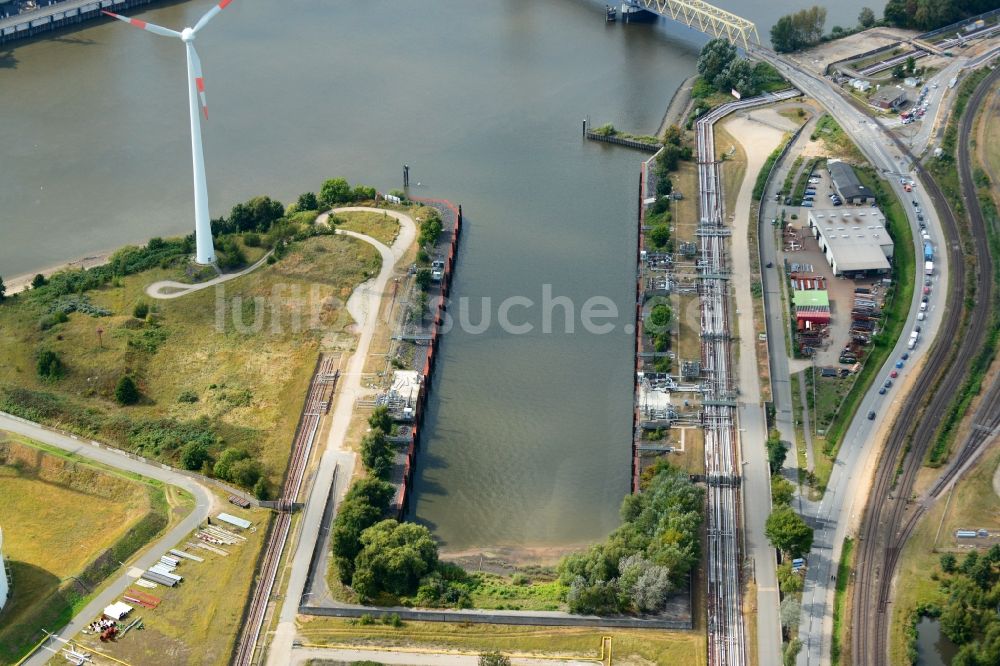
{"type": "Point", "coordinates": [210, 14]}
{"type": "Point", "coordinates": [199, 81]}
{"type": "Point", "coordinates": [149, 27]}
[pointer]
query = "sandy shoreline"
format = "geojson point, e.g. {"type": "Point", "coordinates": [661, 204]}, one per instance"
{"type": "Point", "coordinates": [21, 282]}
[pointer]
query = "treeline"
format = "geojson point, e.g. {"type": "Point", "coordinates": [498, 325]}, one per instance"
{"type": "Point", "coordinates": [969, 616]}
{"type": "Point", "coordinates": [932, 14]}
{"type": "Point", "coordinates": [721, 68]}
{"type": "Point", "coordinates": [645, 559]}
{"type": "Point", "coordinates": [804, 28]}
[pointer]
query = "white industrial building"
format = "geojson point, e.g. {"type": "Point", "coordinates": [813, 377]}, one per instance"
{"type": "Point", "coordinates": [4, 586]}
{"type": "Point", "coordinates": [854, 241]}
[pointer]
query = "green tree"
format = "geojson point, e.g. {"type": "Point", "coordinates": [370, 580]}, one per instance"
{"type": "Point", "coordinates": [948, 563]}
{"type": "Point", "coordinates": [363, 193]}
{"type": "Point", "coordinates": [715, 56]}
{"type": "Point", "coordinates": [798, 30]}
{"type": "Point", "coordinates": [334, 191]}
{"type": "Point", "coordinates": [307, 201]}
{"type": "Point", "coordinates": [394, 557]}
{"type": "Point", "coordinates": [49, 365]}
{"type": "Point", "coordinates": [365, 504]}
{"type": "Point", "coordinates": [777, 451]}
{"type": "Point", "coordinates": [493, 659]}
{"type": "Point", "coordinates": [787, 531]}
{"type": "Point", "coordinates": [430, 230]}
{"type": "Point", "coordinates": [3, 290]}
{"type": "Point", "coordinates": [782, 490]}
{"type": "Point", "coordinates": [38, 281]}
{"type": "Point", "coordinates": [224, 465]}
{"type": "Point", "coordinates": [660, 316]}
{"type": "Point", "coordinates": [673, 135]}
{"type": "Point", "coordinates": [866, 17]}
{"type": "Point", "coordinates": [126, 391]}
{"type": "Point", "coordinates": [898, 72]}
{"type": "Point", "coordinates": [246, 472]}
{"type": "Point", "coordinates": [659, 236]}
{"type": "Point", "coordinates": [911, 65]}
{"type": "Point", "coordinates": [194, 455]}
{"type": "Point", "coordinates": [262, 489]}
{"type": "Point", "coordinates": [424, 279]}
{"type": "Point", "coordinates": [380, 419]}
{"type": "Point", "coordinates": [377, 453]}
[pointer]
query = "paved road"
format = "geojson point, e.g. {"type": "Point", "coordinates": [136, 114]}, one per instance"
{"type": "Point", "coordinates": [773, 285]}
{"type": "Point", "coordinates": [111, 592]}
{"type": "Point", "coordinates": [838, 513]}
{"type": "Point", "coordinates": [336, 462]}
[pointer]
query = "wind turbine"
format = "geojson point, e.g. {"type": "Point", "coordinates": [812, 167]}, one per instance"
{"type": "Point", "coordinates": [205, 251]}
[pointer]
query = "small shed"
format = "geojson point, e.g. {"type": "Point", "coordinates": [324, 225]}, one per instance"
{"type": "Point", "coordinates": [233, 520]}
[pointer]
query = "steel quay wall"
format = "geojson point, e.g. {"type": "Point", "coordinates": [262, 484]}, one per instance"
{"type": "Point", "coordinates": [427, 373]}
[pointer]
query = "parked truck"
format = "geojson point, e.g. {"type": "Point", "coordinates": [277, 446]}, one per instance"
{"type": "Point", "coordinates": [928, 252]}
{"type": "Point", "coordinates": [928, 268]}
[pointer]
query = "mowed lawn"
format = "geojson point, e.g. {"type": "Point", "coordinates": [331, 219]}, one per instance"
{"type": "Point", "coordinates": [379, 226]}
{"type": "Point", "coordinates": [628, 646]}
{"type": "Point", "coordinates": [57, 516]}
{"type": "Point", "coordinates": [235, 359]}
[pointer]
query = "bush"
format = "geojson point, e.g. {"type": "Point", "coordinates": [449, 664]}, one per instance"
{"type": "Point", "coordinates": [126, 391]}
{"type": "Point", "coordinates": [140, 310]}
{"type": "Point", "coordinates": [660, 236]}
{"type": "Point", "coordinates": [424, 279]}
{"type": "Point", "coordinates": [494, 658]}
{"type": "Point", "coordinates": [262, 489]}
{"type": "Point", "coordinates": [187, 396]}
{"type": "Point", "coordinates": [394, 558]}
{"type": "Point", "coordinates": [38, 281]}
{"type": "Point", "coordinates": [49, 365]}
{"type": "Point", "coordinates": [251, 239]}
{"type": "Point", "coordinates": [430, 230]}
{"type": "Point", "coordinates": [307, 201]}
{"type": "Point", "coordinates": [224, 466]}
{"type": "Point", "coordinates": [660, 316]}
{"type": "Point", "coordinates": [194, 455]}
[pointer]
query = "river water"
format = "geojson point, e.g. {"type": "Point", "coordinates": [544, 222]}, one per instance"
{"type": "Point", "coordinates": [530, 433]}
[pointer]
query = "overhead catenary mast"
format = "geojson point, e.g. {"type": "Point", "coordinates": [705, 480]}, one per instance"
{"type": "Point", "coordinates": [204, 249]}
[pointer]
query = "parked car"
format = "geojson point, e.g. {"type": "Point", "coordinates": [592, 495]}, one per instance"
{"type": "Point", "coordinates": [871, 415]}
{"type": "Point", "coordinates": [894, 374]}
{"type": "Point", "coordinates": [882, 390]}
{"type": "Point", "coordinates": [921, 316]}
{"type": "Point", "coordinates": [905, 356]}
{"type": "Point", "coordinates": [899, 364]}
{"type": "Point", "coordinates": [888, 383]}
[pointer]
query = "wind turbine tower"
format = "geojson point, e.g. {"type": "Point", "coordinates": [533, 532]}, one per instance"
{"type": "Point", "coordinates": [204, 250]}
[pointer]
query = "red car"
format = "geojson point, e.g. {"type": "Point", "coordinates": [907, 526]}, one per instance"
{"type": "Point", "coordinates": [927, 290]}
{"type": "Point", "coordinates": [894, 374]}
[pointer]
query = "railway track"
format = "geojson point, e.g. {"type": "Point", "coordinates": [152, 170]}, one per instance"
{"type": "Point", "coordinates": [890, 516]}
{"type": "Point", "coordinates": [317, 404]}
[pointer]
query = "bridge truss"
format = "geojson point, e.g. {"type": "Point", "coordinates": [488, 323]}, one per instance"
{"type": "Point", "coordinates": [705, 18]}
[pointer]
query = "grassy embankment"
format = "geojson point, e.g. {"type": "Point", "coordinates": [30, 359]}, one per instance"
{"type": "Point", "coordinates": [664, 648]}
{"type": "Point", "coordinates": [379, 226]}
{"type": "Point", "coordinates": [197, 621]}
{"type": "Point", "coordinates": [945, 171]}
{"type": "Point", "coordinates": [204, 372]}
{"type": "Point", "coordinates": [972, 504]}
{"type": "Point", "coordinates": [68, 523]}
{"type": "Point", "coordinates": [840, 632]}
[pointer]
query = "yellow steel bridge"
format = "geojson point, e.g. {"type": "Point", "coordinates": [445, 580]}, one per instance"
{"type": "Point", "coordinates": [705, 18]}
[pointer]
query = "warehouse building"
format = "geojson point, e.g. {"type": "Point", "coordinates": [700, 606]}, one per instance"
{"type": "Point", "coordinates": [847, 184]}
{"type": "Point", "coordinates": [854, 241]}
{"type": "Point", "coordinates": [888, 98]}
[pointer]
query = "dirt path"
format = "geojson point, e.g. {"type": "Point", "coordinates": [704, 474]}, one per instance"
{"type": "Point", "coordinates": [158, 291]}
